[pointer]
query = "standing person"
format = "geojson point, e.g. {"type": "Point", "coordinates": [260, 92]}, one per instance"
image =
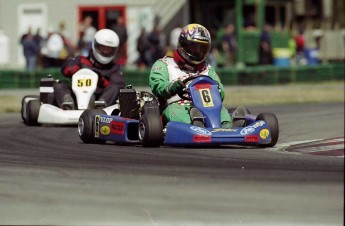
{"type": "Point", "coordinates": [265, 46]}
{"type": "Point", "coordinates": [51, 49]}
{"type": "Point", "coordinates": [142, 47]}
{"type": "Point", "coordinates": [174, 35]}
{"type": "Point", "coordinates": [156, 50]}
{"type": "Point", "coordinates": [121, 30]}
{"type": "Point", "coordinates": [100, 60]}
{"type": "Point", "coordinates": [166, 75]}
{"type": "Point", "coordinates": [299, 40]}
{"type": "Point", "coordinates": [30, 50]}
{"type": "Point", "coordinates": [88, 32]}
{"type": "Point", "coordinates": [229, 45]}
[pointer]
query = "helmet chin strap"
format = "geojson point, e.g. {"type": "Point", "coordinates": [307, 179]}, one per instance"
{"type": "Point", "coordinates": [184, 65]}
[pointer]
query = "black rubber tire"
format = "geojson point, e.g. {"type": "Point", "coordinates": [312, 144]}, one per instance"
{"type": "Point", "coordinates": [22, 105]}
{"type": "Point", "coordinates": [151, 128]}
{"type": "Point", "coordinates": [86, 129]}
{"type": "Point", "coordinates": [272, 121]}
{"type": "Point", "coordinates": [32, 111]}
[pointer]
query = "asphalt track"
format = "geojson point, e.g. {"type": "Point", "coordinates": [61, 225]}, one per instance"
{"type": "Point", "coordinates": [48, 176]}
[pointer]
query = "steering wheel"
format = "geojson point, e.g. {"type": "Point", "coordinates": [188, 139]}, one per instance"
{"type": "Point", "coordinates": [184, 93]}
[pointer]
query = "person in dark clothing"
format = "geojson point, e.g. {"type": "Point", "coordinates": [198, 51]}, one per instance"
{"type": "Point", "coordinates": [100, 60]}
{"type": "Point", "coordinates": [121, 31]}
{"type": "Point", "coordinates": [142, 47]}
{"type": "Point", "coordinates": [30, 51]}
{"type": "Point", "coordinates": [265, 49]}
{"type": "Point", "coordinates": [156, 51]}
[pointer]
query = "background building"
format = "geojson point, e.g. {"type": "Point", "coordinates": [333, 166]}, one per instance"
{"type": "Point", "coordinates": [321, 20]}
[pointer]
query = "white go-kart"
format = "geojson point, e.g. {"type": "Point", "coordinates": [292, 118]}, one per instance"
{"type": "Point", "coordinates": [42, 109]}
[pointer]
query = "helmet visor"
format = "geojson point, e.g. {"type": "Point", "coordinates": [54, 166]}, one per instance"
{"type": "Point", "coordinates": [106, 51]}
{"type": "Point", "coordinates": [197, 51]}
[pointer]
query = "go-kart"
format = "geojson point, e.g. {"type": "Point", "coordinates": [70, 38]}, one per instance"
{"type": "Point", "coordinates": [42, 108]}
{"type": "Point", "coordinates": [138, 121]}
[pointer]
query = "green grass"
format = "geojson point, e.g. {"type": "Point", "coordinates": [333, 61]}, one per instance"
{"type": "Point", "coordinates": [246, 95]}
{"type": "Point", "coordinates": [285, 94]}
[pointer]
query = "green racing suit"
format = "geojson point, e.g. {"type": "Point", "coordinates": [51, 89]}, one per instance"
{"type": "Point", "coordinates": [163, 73]}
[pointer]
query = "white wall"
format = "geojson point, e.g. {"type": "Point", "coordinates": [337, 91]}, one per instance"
{"type": "Point", "coordinates": [13, 24]}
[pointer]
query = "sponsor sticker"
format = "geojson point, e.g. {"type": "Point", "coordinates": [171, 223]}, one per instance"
{"type": "Point", "coordinates": [200, 130]}
{"type": "Point", "coordinates": [264, 133]}
{"type": "Point", "coordinates": [117, 128]}
{"type": "Point", "coordinates": [157, 68]}
{"type": "Point", "coordinates": [106, 120]}
{"type": "Point", "coordinates": [251, 139]}
{"type": "Point", "coordinates": [224, 130]}
{"type": "Point", "coordinates": [201, 139]}
{"type": "Point", "coordinates": [105, 130]}
{"type": "Point", "coordinates": [250, 129]}
{"type": "Point", "coordinates": [247, 130]}
{"type": "Point", "coordinates": [202, 86]}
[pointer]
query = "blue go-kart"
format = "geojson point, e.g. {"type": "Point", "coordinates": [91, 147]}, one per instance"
{"type": "Point", "coordinates": [138, 121]}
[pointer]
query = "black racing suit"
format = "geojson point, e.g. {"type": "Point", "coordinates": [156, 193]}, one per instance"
{"type": "Point", "coordinates": [110, 79]}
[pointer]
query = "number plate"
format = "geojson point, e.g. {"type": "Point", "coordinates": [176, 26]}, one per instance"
{"type": "Point", "coordinates": [206, 97]}
{"type": "Point", "coordinates": [84, 82]}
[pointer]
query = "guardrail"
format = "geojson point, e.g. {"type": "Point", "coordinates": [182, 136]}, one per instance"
{"type": "Point", "coordinates": [259, 75]}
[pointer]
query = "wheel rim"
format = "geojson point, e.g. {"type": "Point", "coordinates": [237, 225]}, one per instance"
{"type": "Point", "coordinates": [141, 131]}
{"type": "Point", "coordinates": [81, 126]}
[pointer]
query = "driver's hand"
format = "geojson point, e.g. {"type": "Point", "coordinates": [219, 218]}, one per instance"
{"type": "Point", "coordinates": [176, 87]}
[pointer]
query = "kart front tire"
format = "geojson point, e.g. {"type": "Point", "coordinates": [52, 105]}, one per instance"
{"type": "Point", "coordinates": [151, 129]}
{"type": "Point", "coordinates": [32, 111]}
{"type": "Point", "coordinates": [86, 129]}
{"type": "Point", "coordinates": [22, 105]}
{"type": "Point", "coordinates": [273, 126]}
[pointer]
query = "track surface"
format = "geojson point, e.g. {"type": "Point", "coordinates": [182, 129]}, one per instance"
{"type": "Point", "coordinates": [47, 176]}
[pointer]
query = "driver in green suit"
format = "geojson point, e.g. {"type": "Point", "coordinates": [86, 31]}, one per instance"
{"type": "Point", "coordinates": [168, 73]}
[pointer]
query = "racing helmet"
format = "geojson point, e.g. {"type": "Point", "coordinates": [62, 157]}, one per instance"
{"type": "Point", "coordinates": [194, 43]}
{"type": "Point", "coordinates": [104, 45]}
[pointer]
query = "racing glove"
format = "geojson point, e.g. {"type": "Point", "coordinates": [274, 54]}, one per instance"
{"type": "Point", "coordinates": [176, 87]}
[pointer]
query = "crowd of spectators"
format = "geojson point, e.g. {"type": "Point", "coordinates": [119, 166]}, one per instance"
{"type": "Point", "coordinates": [49, 51]}
{"type": "Point", "coordinates": [52, 50]}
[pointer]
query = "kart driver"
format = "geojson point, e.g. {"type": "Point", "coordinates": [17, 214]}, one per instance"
{"type": "Point", "coordinates": [189, 60]}
{"type": "Point", "coordinates": [100, 60]}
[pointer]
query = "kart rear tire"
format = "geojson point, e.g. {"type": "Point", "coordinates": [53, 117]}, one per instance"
{"type": "Point", "coordinates": [22, 105]}
{"type": "Point", "coordinates": [32, 111]}
{"type": "Point", "coordinates": [151, 128]}
{"type": "Point", "coordinates": [86, 128]}
{"type": "Point", "coordinates": [273, 126]}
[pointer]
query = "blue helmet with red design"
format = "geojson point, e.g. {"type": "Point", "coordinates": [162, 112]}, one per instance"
{"type": "Point", "coordinates": [194, 43]}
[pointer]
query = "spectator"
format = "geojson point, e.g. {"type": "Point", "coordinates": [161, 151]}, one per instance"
{"type": "Point", "coordinates": [265, 46]}
{"type": "Point", "coordinates": [299, 40]}
{"type": "Point", "coordinates": [88, 32]}
{"type": "Point", "coordinates": [69, 48]}
{"type": "Point", "coordinates": [30, 50]}
{"type": "Point", "coordinates": [213, 56]}
{"type": "Point", "coordinates": [229, 45]}
{"type": "Point", "coordinates": [142, 47]}
{"type": "Point", "coordinates": [121, 31]}
{"type": "Point", "coordinates": [51, 50]}
{"type": "Point", "coordinates": [156, 51]}
{"type": "Point", "coordinates": [174, 35]}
